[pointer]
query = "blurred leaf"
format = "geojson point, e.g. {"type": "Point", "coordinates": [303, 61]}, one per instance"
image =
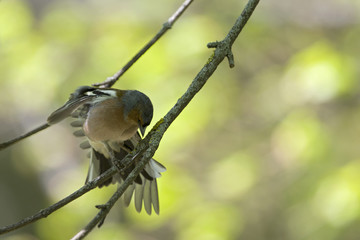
{"type": "Point", "coordinates": [319, 74]}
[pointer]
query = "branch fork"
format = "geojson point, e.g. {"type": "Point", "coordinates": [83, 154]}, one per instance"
{"type": "Point", "coordinates": [147, 147]}
{"type": "Point", "coordinates": [224, 46]}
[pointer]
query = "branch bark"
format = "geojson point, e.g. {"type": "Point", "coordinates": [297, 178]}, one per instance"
{"type": "Point", "coordinates": [166, 26]}
{"type": "Point", "coordinates": [105, 208]}
{"type": "Point", "coordinates": [151, 142]}
{"type": "Point", "coordinates": [26, 135]}
{"type": "Point", "coordinates": [126, 161]}
{"type": "Point", "coordinates": [47, 211]}
{"type": "Point", "coordinates": [112, 80]}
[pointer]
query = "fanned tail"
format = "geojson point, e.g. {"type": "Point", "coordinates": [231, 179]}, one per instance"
{"type": "Point", "coordinates": [144, 188]}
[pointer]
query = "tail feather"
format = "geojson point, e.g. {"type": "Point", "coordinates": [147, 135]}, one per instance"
{"type": "Point", "coordinates": [146, 192]}
{"type": "Point", "coordinates": [128, 194]}
{"type": "Point", "coordinates": [98, 165]}
{"type": "Point", "coordinates": [154, 168]}
{"type": "Point", "coordinates": [94, 169]}
{"type": "Point", "coordinates": [147, 196]}
{"type": "Point", "coordinates": [155, 196]}
{"type": "Point", "coordinates": [139, 190]}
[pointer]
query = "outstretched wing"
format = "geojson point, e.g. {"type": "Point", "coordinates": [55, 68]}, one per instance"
{"type": "Point", "coordinates": [81, 96]}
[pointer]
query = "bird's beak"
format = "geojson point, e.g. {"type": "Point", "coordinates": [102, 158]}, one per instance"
{"type": "Point", "coordinates": [142, 130]}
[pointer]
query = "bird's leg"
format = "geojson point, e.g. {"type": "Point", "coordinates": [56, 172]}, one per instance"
{"type": "Point", "coordinates": [138, 156]}
{"type": "Point", "coordinates": [113, 159]}
{"type": "Point", "coordinates": [128, 150]}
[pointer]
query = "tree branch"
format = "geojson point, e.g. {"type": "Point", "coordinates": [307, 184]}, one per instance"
{"type": "Point", "coordinates": [166, 26]}
{"type": "Point", "coordinates": [47, 211]}
{"type": "Point", "coordinates": [28, 134]}
{"type": "Point", "coordinates": [111, 80]}
{"type": "Point", "coordinates": [105, 209]}
{"type": "Point", "coordinates": [152, 140]}
{"type": "Point", "coordinates": [86, 188]}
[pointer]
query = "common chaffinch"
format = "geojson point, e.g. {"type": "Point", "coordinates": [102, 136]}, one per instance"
{"type": "Point", "coordinates": [109, 119]}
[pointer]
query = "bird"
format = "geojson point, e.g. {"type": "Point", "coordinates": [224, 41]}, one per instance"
{"type": "Point", "coordinates": [109, 119]}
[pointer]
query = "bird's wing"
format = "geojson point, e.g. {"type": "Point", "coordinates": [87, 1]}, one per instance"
{"type": "Point", "coordinates": [82, 95]}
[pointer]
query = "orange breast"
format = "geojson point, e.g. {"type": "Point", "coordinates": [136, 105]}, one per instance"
{"type": "Point", "coordinates": [106, 122]}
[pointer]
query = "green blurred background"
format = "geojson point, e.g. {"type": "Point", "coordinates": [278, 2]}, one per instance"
{"type": "Point", "coordinates": [267, 150]}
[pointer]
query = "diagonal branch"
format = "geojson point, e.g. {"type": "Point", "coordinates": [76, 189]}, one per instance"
{"type": "Point", "coordinates": [26, 135]}
{"type": "Point", "coordinates": [47, 211]}
{"type": "Point", "coordinates": [166, 26]}
{"type": "Point", "coordinates": [152, 140]}
{"type": "Point", "coordinates": [86, 188]}
{"type": "Point", "coordinates": [92, 184]}
{"type": "Point", "coordinates": [105, 209]}
{"type": "Point", "coordinates": [111, 80]}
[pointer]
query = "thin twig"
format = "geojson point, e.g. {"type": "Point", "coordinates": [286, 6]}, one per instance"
{"type": "Point", "coordinates": [152, 140]}
{"type": "Point", "coordinates": [15, 140]}
{"type": "Point", "coordinates": [86, 188]}
{"type": "Point", "coordinates": [111, 80]}
{"type": "Point", "coordinates": [47, 211]}
{"type": "Point", "coordinates": [166, 26]}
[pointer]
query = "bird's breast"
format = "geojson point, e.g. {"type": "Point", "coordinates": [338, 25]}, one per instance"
{"type": "Point", "coordinates": [106, 122]}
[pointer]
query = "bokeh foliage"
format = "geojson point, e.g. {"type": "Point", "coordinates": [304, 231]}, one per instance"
{"type": "Point", "coordinates": [267, 150]}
